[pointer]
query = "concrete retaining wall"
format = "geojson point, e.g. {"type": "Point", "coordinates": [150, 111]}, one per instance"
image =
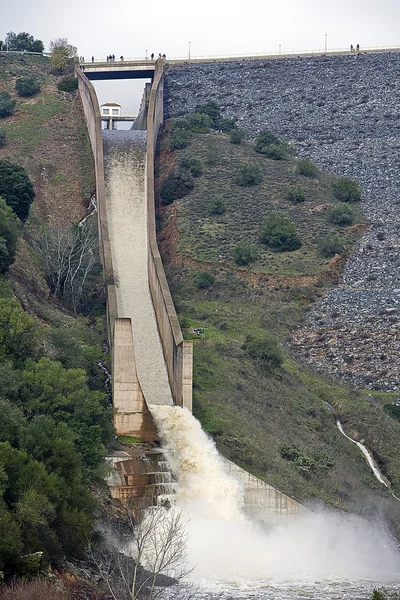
{"type": "Point", "coordinates": [263, 502]}
{"type": "Point", "coordinates": [93, 122]}
{"type": "Point", "coordinates": [178, 353]}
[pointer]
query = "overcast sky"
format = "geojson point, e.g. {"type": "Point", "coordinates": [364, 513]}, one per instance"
{"type": "Point", "coordinates": [212, 27]}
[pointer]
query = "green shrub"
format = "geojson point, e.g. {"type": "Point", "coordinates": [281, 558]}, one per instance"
{"type": "Point", "coordinates": [278, 151]}
{"type": "Point", "coordinates": [330, 245]}
{"type": "Point", "coordinates": [393, 410]}
{"type": "Point", "coordinates": [341, 214]}
{"type": "Point", "coordinates": [296, 194]}
{"type": "Point", "coordinates": [306, 167]}
{"type": "Point", "coordinates": [8, 236]}
{"type": "Point", "coordinates": [248, 174]}
{"type": "Point", "coordinates": [212, 110]}
{"type": "Point", "coordinates": [68, 84]}
{"type": "Point", "coordinates": [27, 86]}
{"type": "Point", "coordinates": [193, 165]}
{"type": "Point", "coordinates": [204, 279]}
{"type": "Point", "coordinates": [279, 233]}
{"type": "Point", "coordinates": [272, 147]}
{"type": "Point", "coordinates": [226, 125]}
{"type": "Point", "coordinates": [177, 185]}
{"type": "Point", "coordinates": [264, 349]}
{"type": "Point", "coordinates": [264, 140]}
{"type": "Point", "coordinates": [3, 138]}
{"type": "Point", "coordinates": [180, 139]}
{"type": "Point", "coordinates": [7, 104]}
{"type": "Point", "coordinates": [193, 122]}
{"type": "Point", "coordinates": [236, 136]}
{"type": "Point", "coordinates": [217, 206]}
{"type": "Point", "coordinates": [16, 188]}
{"type": "Point", "coordinates": [245, 253]}
{"type": "Point", "coordinates": [346, 190]}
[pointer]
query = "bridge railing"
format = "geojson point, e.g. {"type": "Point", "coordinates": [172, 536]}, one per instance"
{"type": "Point", "coordinates": [178, 353]}
{"type": "Point", "coordinates": [248, 56]}
{"type": "Point", "coordinates": [93, 121]}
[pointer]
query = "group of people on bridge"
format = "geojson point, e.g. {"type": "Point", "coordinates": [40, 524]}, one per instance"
{"type": "Point", "coordinates": [357, 48]}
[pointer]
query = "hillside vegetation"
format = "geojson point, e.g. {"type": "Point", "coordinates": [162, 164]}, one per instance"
{"type": "Point", "coordinates": [56, 414]}
{"type": "Point", "coordinates": [267, 411]}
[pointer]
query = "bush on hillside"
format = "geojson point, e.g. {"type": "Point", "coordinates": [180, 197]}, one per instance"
{"type": "Point", "coordinates": [177, 185]}
{"type": "Point", "coordinates": [8, 236]}
{"type": "Point", "coordinates": [296, 194]}
{"type": "Point", "coordinates": [264, 349]}
{"type": "Point", "coordinates": [180, 139]}
{"type": "Point", "coordinates": [16, 188]}
{"type": "Point", "coordinates": [193, 122]}
{"type": "Point", "coordinates": [27, 86]}
{"type": "Point", "coordinates": [245, 254]}
{"type": "Point", "coordinates": [237, 136]}
{"type": "Point", "coordinates": [342, 214]}
{"type": "Point", "coordinates": [393, 410]}
{"type": "Point", "coordinates": [213, 112]}
{"type": "Point", "coordinates": [306, 167]}
{"type": "Point", "coordinates": [193, 165]}
{"type": "Point", "coordinates": [271, 146]}
{"type": "Point", "coordinates": [346, 190]}
{"type": "Point", "coordinates": [68, 84]}
{"type": "Point", "coordinates": [264, 140]}
{"type": "Point", "coordinates": [248, 174]}
{"type": "Point", "coordinates": [217, 206]}
{"type": "Point", "coordinates": [279, 233]}
{"type": "Point", "coordinates": [330, 245]}
{"type": "Point", "coordinates": [3, 138]}
{"type": "Point", "coordinates": [7, 105]}
{"type": "Point", "coordinates": [204, 280]}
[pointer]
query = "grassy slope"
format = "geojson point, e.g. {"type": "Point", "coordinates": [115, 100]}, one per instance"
{"type": "Point", "coordinates": [251, 412]}
{"type": "Point", "coordinates": [47, 136]}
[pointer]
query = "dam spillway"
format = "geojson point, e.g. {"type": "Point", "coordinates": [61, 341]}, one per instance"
{"type": "Point", "coordinates": [125, 183]}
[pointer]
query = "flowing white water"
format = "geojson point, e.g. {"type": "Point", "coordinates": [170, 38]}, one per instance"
{"type": "Point", "coordinates": [368, 458]}
{"type": "Point", "coordinates": [229, 552]}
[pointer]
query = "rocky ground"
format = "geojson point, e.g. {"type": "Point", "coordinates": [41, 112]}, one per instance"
{"type": "Point", "coordinates": [343, 113]}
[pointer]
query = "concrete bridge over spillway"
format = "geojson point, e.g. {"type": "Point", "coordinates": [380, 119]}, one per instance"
{"type": "Point", "coordinates": [151, 362]}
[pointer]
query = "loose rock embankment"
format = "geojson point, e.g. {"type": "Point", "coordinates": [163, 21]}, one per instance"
{"type": "Point", "coordinates": [343, 112]}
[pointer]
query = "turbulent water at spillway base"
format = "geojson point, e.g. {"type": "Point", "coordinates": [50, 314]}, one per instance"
{"type": "Point", "coordinates": [316, 556]}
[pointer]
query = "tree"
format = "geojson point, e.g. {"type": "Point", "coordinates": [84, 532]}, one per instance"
{"type": "Point", "coordinates": [23, 42]}
{"type": "Point", "coordinates": [18, 332]}
{"type": "Point", "coordinates": [48, 388]}
{"type": "Point", "coordinates": [70, 258]}
{"type": "Point", "coordinates": [3, 138]}
{"type": "Point", "coordinates": [8, 236]}
{"type": "Point", "coordinates": [62, 54]}
{"type": "Point", "coordinates": [279, 233]}
{"type": "Point", "coordinates": [154, 557]}
{"type": "Point", "coordinates": [16, 188]}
